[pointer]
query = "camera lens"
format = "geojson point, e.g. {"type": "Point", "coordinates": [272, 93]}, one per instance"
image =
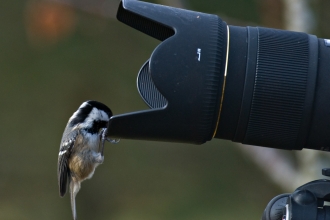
{"type": "Point", "coordinates": [205, 80]}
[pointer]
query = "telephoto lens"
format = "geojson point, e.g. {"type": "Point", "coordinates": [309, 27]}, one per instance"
{"type": "Point", "coordinates": [276, 89]}
{"type": "Point", "coordinates": [206, 79]}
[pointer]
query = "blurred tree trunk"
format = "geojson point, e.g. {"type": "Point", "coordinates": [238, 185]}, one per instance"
{"type": "Point", "coordinates": [271, 13]}
{"type": "Point", "coordinates": [298, 16]}
{"type": "Point", "coordinates": [294, 15]}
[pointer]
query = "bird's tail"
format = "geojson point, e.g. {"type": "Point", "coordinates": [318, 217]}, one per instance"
{"type": "Point", "coordinates": [74, 189]}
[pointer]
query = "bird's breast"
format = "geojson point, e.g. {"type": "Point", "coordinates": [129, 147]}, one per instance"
{"type": "Point", "coordinates": [81, 165]}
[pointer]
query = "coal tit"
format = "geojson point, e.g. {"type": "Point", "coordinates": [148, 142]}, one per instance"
{"type": "Point", "coordinates": [81, 149]}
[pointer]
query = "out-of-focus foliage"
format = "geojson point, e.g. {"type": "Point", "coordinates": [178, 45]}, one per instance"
{"type": "Point", "coordinates": [239, 9]}
{"type": "Point", "coordinates": [322, 8]}
{"type": "Point", "coordinates": [52, 58]}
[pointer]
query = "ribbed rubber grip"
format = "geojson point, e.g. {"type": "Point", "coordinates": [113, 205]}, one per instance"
{"type": "Point", "coordinates": [147, 89]}
{"type": "Point", "coordinates": [279, 89]}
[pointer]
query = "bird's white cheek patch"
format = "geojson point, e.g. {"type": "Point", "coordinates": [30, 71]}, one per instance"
{"type": "Point", "coordinates": [104, 116]}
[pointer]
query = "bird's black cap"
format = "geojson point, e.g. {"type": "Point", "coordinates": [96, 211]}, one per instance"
{"type": "Point", "coordinates": [86, 108]}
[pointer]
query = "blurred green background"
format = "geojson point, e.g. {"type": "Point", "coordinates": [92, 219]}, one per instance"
{"type": "Point", "coordinates": [52, 58]}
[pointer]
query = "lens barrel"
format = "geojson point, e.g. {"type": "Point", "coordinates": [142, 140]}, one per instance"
{"type": "Point", "coordinates": [272, 88]}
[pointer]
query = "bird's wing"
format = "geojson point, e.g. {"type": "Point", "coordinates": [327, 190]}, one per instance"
{"type": "Point", "coordinates": [63, 171]}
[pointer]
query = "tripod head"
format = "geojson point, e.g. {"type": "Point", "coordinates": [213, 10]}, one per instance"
{"type": "Point", "coordinates": [305, 203]}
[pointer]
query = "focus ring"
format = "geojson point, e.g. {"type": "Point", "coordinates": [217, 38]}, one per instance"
{"type": "Point", "coordinates": [279, 89]}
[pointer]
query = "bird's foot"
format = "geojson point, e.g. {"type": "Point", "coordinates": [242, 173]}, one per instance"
{"type": "Point", "coordinates": [105, 138]}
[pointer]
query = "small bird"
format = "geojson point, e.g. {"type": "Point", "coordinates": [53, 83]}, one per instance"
{"type": "Point", "coordinates": [82, 146]}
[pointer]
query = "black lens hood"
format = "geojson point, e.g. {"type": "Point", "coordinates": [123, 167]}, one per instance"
{"type": "Point", "coordinates": [186, 70]}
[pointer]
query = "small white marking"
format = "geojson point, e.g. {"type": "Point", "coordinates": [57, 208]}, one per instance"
{"type": "Point", "coordinates": [199, 52]}
{"type": "Point", "coordinates": [287, 214]}
{"type": "Point", "coordinates": [327, 42]}
{"type": "Point", "coordinates": [62, 152]}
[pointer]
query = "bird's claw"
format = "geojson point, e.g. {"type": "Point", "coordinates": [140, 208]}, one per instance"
{"type": "Point", "coordinates": [113, 141]}
{"type": "Point", "coordinates": [104, 138]}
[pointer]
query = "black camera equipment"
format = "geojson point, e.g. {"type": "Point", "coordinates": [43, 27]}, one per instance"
{"type": "Point", "coordinates": [305, 203]}
{"type": "Point", "coordinates": [252, 85]}
{"type": "Point", "coordinates": [207, 79]}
